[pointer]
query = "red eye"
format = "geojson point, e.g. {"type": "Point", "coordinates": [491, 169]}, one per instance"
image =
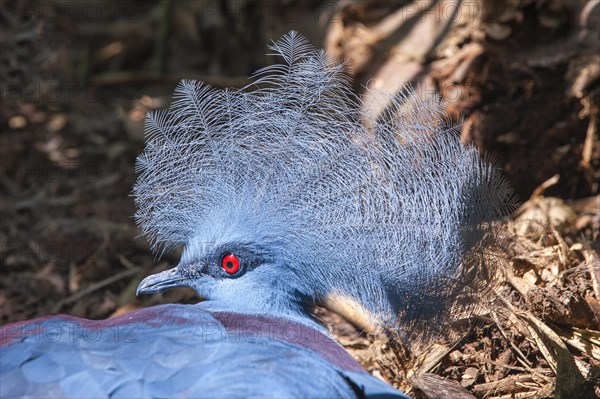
{"type": "Point", "coordinates": [230, 263]}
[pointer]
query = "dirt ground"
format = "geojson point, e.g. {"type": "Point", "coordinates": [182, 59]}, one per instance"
{"type": "Point", "coordinates": [77, 79]}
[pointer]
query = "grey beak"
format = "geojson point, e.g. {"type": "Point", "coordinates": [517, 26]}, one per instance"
{"type": "Point", "coordinates": [162, 281]}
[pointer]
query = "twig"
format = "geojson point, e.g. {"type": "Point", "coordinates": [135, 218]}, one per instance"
{"type": "Point", "coordinates": [94, 287]}
{"type": "Point", "coordinates": [507, 384]}
{"type": "Point", "coordinates": [520, 354]}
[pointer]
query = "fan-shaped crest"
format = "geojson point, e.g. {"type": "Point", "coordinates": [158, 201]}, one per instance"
{"type": "Point", "coordinates": [393, 211]}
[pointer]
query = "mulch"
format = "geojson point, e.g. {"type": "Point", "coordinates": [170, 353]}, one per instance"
{"type": "Point", "coordinates": [77, 83]}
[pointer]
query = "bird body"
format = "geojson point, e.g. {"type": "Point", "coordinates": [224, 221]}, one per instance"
{"type": "Point", "coordinates": [178, 351]}
{"type": "Point", "coordinates": [282, 194]}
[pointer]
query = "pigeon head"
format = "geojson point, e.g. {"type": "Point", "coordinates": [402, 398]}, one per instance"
{"type": "Point", "coordinates": [286, 191]}
{"type": "Point", "coordinates": [234, 270]}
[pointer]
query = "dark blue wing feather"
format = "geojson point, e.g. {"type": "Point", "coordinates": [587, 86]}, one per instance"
{"type": "Point", "coordinates": [177, 351]}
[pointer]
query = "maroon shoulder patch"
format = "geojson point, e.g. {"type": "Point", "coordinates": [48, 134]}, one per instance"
{"type": "Point", "coordinates": [257, 326]}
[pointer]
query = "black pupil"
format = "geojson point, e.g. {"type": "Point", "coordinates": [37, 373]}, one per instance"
{"type": "Point", "coordinates": [229, 264]}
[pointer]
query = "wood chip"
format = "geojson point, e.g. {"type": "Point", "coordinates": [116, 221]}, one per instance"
{"type": "Point", "coordinates": [436, 387]}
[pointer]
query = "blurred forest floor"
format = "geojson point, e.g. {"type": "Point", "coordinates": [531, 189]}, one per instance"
{"type": "Point", "coordinates": [77, 79]}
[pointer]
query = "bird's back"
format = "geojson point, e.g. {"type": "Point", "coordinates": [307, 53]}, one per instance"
{"type": "Point", "coordinates": [177, 351]}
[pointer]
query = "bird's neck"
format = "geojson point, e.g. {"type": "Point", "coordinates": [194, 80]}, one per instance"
{"type": "Point", "coordinates": [300, 312]}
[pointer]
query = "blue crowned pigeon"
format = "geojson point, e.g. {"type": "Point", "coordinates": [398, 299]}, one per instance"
{"type": "Point", "coordinates": [281, 194]}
